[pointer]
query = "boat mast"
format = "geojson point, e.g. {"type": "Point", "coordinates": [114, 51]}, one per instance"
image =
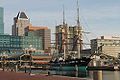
{"type": "Point", "coordinates": [65, 35]}
{"type": "Point", "coordinates": [63, 15]}
{"type": "Point", "coordinates": [78, 18]}
{"type": "Point", "coordinates": [79, 32]}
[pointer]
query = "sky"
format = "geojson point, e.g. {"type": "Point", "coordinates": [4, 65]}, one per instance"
{"type": "Point", "coordinates": [99, 17]}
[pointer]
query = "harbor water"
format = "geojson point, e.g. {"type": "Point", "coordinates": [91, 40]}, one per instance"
{"type": "Point", "coordinates": [82, 73]}
{"type": "Point", "coordinates": [103, 75]}
{"type": "Point", "coordinates": [111, 75]}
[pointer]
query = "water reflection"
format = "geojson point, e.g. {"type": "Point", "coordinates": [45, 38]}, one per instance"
{"type": "Point", "coordinates": [111, 75]}
{"type": "Point", "coordinates": [117, 75]}
{"type": "Point", "coordinates": [92, 75]}
{"type": "Point", "coordinates": [81, 74]}
{"type": "Point", "coordinates": [104, 75]}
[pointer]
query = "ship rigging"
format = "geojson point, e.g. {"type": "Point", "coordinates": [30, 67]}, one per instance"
{"type": "Point", "coordinates": [69, 42]}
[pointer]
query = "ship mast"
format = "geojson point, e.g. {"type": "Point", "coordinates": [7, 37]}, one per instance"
{"type": "Point", "coordinates": [79, 32]}
{"type": "Point", "coordinates": [63, 16]}
{"type": "Point", "coordinates": [65, 35]}
{"type": "Point", "coordinates": [78, 18]}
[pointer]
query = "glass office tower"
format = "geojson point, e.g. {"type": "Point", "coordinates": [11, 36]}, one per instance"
{"type": "Point", "coordinates": [1, 21]}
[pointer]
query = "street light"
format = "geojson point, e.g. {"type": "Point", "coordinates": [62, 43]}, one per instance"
{"type": "Point", "coordinates": [30, 50]}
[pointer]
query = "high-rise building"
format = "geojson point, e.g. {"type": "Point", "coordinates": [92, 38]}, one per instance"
{"type": "Point", "coordinates": [108, 45]}
{"type": "Point", "coordinates": [22, 27]}
{"type": "Point", "coordinates": [21, 21]}
{"type": "Point", "coordinates": [1, 20]}
{"type": "Point", "coordinates": [42, 32]}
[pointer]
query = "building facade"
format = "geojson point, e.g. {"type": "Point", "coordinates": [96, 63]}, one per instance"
{"type": "Point", "coordinates": [42, 32]}
{"type": "Point", "coordinates": [21, 21]}
{"type": "Point", "coordinates": [1, 20]}
{"type": "Point", "coordinates": [59, 37]}
{"type": "Point", "coordinates": [108, 45]}
{"type": "Point", "coordinates": [23, 28]}
{"type": "Point", "coordinates": [10, 44]}
{"type": "Point", "coordinates": [17, 44]}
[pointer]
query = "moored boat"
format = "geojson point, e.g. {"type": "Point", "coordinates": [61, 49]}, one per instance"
{"type": "Point", "coordinates": [70, 65]}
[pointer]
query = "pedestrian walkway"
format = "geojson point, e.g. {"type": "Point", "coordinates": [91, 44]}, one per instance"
{"type": "Point", "coordinates": [25, 76]}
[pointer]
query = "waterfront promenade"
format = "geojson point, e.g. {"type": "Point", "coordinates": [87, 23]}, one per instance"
{"type": "Point", "coordinates": [5, 75]}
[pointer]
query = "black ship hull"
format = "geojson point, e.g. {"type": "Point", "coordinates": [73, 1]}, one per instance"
{"type": "Point", "coordinates": [70, 65]}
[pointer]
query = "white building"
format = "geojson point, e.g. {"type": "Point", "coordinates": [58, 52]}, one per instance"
{"type": "Point", "coordinates": [21, 21]}
{"type": "Point", "coordinates": [109, 45]}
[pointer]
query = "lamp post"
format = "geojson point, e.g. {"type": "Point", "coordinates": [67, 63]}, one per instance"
{"type": "Point", "coordinates": [30, 50]}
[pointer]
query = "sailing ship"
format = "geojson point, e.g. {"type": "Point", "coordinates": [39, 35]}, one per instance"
{"type": "Point", "coordinates": [69, 44]}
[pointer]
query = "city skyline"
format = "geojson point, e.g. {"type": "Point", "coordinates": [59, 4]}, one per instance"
{"type": "Point", "coordinates": [100, 17]}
